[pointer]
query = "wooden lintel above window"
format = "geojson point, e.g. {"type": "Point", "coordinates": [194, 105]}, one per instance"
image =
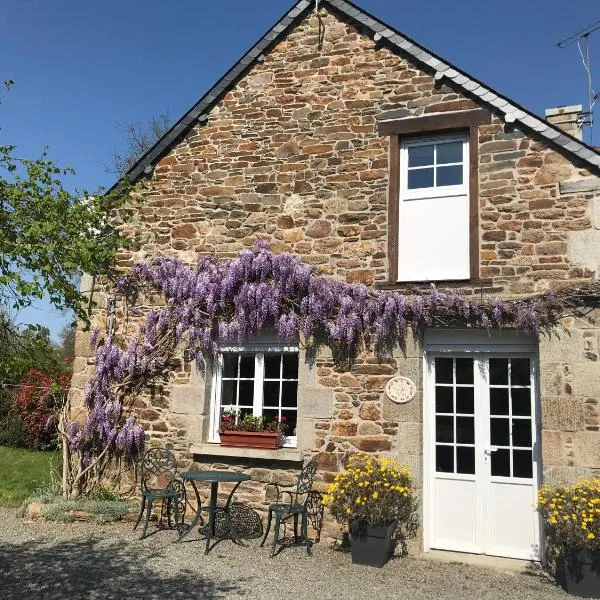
{"type": "Point", "coordinates": [464, 119]}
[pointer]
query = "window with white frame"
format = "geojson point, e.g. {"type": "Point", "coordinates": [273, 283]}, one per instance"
{"type": "Point", "coordinates": [433, 232]}
{"type": "Point", "coordinates": [259, 382]}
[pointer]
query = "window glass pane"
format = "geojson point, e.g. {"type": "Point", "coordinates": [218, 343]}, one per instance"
{"type": "Point", "coordinates": [465, 430]}
{"type": "Point", "coordinates": [230, 364]}
{"type": "Point", "coordinates": [464, 370]}
{"type": "Point", "coordinates": [449, 152]}
{"type": "Point", "coordinates": [228, 392]}
{"type": "Point", "coordinates": [522, 464]}
{"type": "Point", "coordinates": [443, 370]}
{"type": "Point", "coordinates": [420, 156]}
{"type": "Point", "coordinates": [444, 429]}
{"type": "Point", "coordinates": [465, 401]}
{"type": "Point", "coordinates": [499, 371]}
{"type": "Point", "coordinates": [290, 366]}
{"type": "Point", "coordinates": [246, 392]}
{"type": "Point", "coordinates": [290, 419]}
{"type": "Point", "coordinates": [443, 399]}
{"type": "Point", "coordinates": [499, 401]}
{"type": "Point", "coordinates": [521, 430]}
{"type": "Point", "coordinates": [247, 365]}
{"type": "Point", "coordinates": [465, 460]}
{"type": "Point", "coordinates": [444, 459]}
{"type": "Point", "coordinates": [499, 432]}
{"type": "Point", "coordinates": [289, 394]}
{"type": "Point", "coordinates": [271, 393]}
{"type": "Point", "coordinates": [501, 463]}
{"type": "Point", "coordinates": [270, 414]}
{"type": "Point", "coordinates": [521, 401]}
{"type": "Point", "coordinates": [420, 178]}
{"type": "Point", "coordinates": [272, 366]}
{"type": "Point", "coordinates": [449, 176]}
{"type": "Point", "coordinates": [243, 412]}
{"type": "Point", "coordinates": [519, 371]}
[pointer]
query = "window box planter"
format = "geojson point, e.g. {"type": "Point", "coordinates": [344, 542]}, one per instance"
{"type": "Point", "coordinates": [582, 573]}
{"type": "Point", "coordinates": [269, 440]}
{"type": "Point", "coordinates": [370, 545]}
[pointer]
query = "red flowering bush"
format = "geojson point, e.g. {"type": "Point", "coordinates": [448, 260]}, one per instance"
{"type": "Point", "coordinates": [36, 402]}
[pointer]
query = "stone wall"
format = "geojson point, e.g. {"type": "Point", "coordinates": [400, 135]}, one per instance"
{"type": "Point", "coordinates": [292, 155]}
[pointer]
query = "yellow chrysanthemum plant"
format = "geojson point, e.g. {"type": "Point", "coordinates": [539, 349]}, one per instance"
{"type": "Point", "coordinates": [372, 489]}
{"type": "Point", "coordinates": [572, 514]}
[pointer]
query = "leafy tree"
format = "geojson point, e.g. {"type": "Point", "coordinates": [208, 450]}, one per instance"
{"type": "Point", "coordinates": [66, 347]}
{"type": "Point", "coordinates": [50, 236]}
{"type": "Point", "coordinates": [139, 139]}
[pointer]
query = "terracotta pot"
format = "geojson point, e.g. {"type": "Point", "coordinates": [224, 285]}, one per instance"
{"type": "Point", "coordinates": [251, 439]}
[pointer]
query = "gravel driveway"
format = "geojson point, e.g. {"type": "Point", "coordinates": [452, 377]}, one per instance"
{"type": "Point", "coordinates": [52, 561]}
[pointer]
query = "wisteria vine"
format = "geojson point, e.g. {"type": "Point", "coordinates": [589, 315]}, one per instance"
{"type": "Point", "coordinates": [221, 302]}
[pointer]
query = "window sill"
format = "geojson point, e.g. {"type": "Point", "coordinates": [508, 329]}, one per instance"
{"type": "Point", "coordinates": [409, 286]}
{"type": "Point", "coordinates": [283, 454]}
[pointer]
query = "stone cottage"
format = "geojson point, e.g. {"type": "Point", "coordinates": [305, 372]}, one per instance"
{"type": "Point", "coordinates": [341, 140]}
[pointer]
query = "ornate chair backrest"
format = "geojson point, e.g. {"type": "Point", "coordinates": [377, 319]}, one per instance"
{"type": "Point", "coordinates": [306, 479]}
{"type": "Point", "coordinates": [159, 469]}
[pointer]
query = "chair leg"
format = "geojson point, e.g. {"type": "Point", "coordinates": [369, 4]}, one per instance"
{"type": "Point", "coordinates": [296, 528]}
{"type": "Point", "coordinates": [268, 528]}
{"type": "Point", "coordinates": [148, 513]}
{"type": "Point", "coordinates": [141, 513]}
{"type": "Point", "coordinates": [305, 537]}
{"type": "Point", "coordinates": [276, 535]}
{"type": "Point", "coordinates": [169, 502]}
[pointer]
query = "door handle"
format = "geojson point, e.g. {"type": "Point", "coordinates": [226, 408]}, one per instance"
{"type": "Point", "coordinates": [488, 451]}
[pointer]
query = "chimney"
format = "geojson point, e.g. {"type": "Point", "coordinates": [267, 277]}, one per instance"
{"type": "Point", "coordinates": [567, 118]}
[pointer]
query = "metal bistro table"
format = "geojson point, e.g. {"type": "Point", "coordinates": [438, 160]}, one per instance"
{"type": "Point", "coordinates": [214, 478]}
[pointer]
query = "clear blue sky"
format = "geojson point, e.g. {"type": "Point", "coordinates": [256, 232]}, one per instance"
{"type": "Point", "coordinates": [83, 67]}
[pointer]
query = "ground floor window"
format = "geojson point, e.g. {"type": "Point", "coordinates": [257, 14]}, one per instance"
{"type": "Point", "coordinates": [260, 382]}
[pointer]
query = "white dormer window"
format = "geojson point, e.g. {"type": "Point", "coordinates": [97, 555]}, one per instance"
{"type": "Point", "coordinates": [433, 232]}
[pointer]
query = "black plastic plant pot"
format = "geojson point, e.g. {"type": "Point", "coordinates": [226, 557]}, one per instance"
{"type": "Point", "coordinates": [371, 546]}
{"type": "Point", "coordinates": [582, 573]}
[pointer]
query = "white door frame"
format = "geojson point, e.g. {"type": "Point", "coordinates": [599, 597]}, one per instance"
{"type": "Point", "coordinates": [475, 343]}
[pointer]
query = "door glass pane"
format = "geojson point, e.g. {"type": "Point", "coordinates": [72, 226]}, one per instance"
{"type": "Point", "coordinates": [272, 366]}
{"type": "Point", "coordinates": [420, 178]}
{"type": "Point", "coordinates": [271, 393]}
{"type": "Point", "coordinates": [465, 460]}
{"type": "Point", "coordinates": [246, 392]}
{"type": "Point", "coordinates": [230, 364]}
{"type": "Point", "coordinates": [499, 371]}
{"type": "Point", "coordinates": [521, 430]}
{"type": "Point", "coordinates": [228, 392]}
{"type": "Point", "coordinates": [465, 430]}
{"type": "Point", "coordinates": [499, 432]}
{"type": "Point", "coordinates": [499, 401]}
{"type": "Point", "coordinates": [247, 365]}
{"type": "Point", "coordinates": [522, 464]}
{"type": "Point", "coordinates": [420, 156]}
{"type": "Point", "coordinates": [444, 429]}
{"type": "Point", "coordinates": [521, 402]}
{"type": "Point", "coordinates": [450, 152]}
{"type": "Point", "coordinates": [290, 366]}
{"type": "Point", "coordinates": [289, 394]}
{"type": "Point", "coordinates": [464, 370]}
{"type": "Point", "coordinates": [443, 370]}
{"type": "Point", "coordinates": [465, 402]}
{"type": "Point", "coordinates": [444, 459]}
{"type": "Point", "coordinates": [520, 371]}
{"type": "Point", "coordinates": [290, 420]}
{"type": "Point", "coordinates": [443, 399]}
{"type": "Point", "coordinates": [449, 176]}
{"type": "Point", "coordinates": [501, 463]}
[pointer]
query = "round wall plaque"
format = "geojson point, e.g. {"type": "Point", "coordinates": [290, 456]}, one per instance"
{"type": "Point", "coordinates": [400, 389]}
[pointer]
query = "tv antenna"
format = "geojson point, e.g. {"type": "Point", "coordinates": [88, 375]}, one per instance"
{"type": "Point", "coordinates": [577, 37]}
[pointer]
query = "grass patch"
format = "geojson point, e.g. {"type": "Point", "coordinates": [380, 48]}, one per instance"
{"type": "Point", "coordinates": [58, 509]}
{"type": "Point", "coordinates": [23, 471]}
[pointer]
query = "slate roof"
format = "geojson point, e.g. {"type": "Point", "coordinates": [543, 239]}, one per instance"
{"type": "Point", "coordinates": [394, 39]}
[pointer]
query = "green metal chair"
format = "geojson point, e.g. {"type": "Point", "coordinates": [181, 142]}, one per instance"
{"type": "Point", "coordinates": [304, 504]}
{"type": "Point", "coordinates": [159, 482]}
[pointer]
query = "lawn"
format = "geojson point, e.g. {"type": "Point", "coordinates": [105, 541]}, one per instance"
{"type": "Point", "coordinates": [23, 471]}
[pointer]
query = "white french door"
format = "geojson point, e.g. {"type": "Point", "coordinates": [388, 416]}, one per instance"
{"type": "Point", "coordinates": [481, 453]}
